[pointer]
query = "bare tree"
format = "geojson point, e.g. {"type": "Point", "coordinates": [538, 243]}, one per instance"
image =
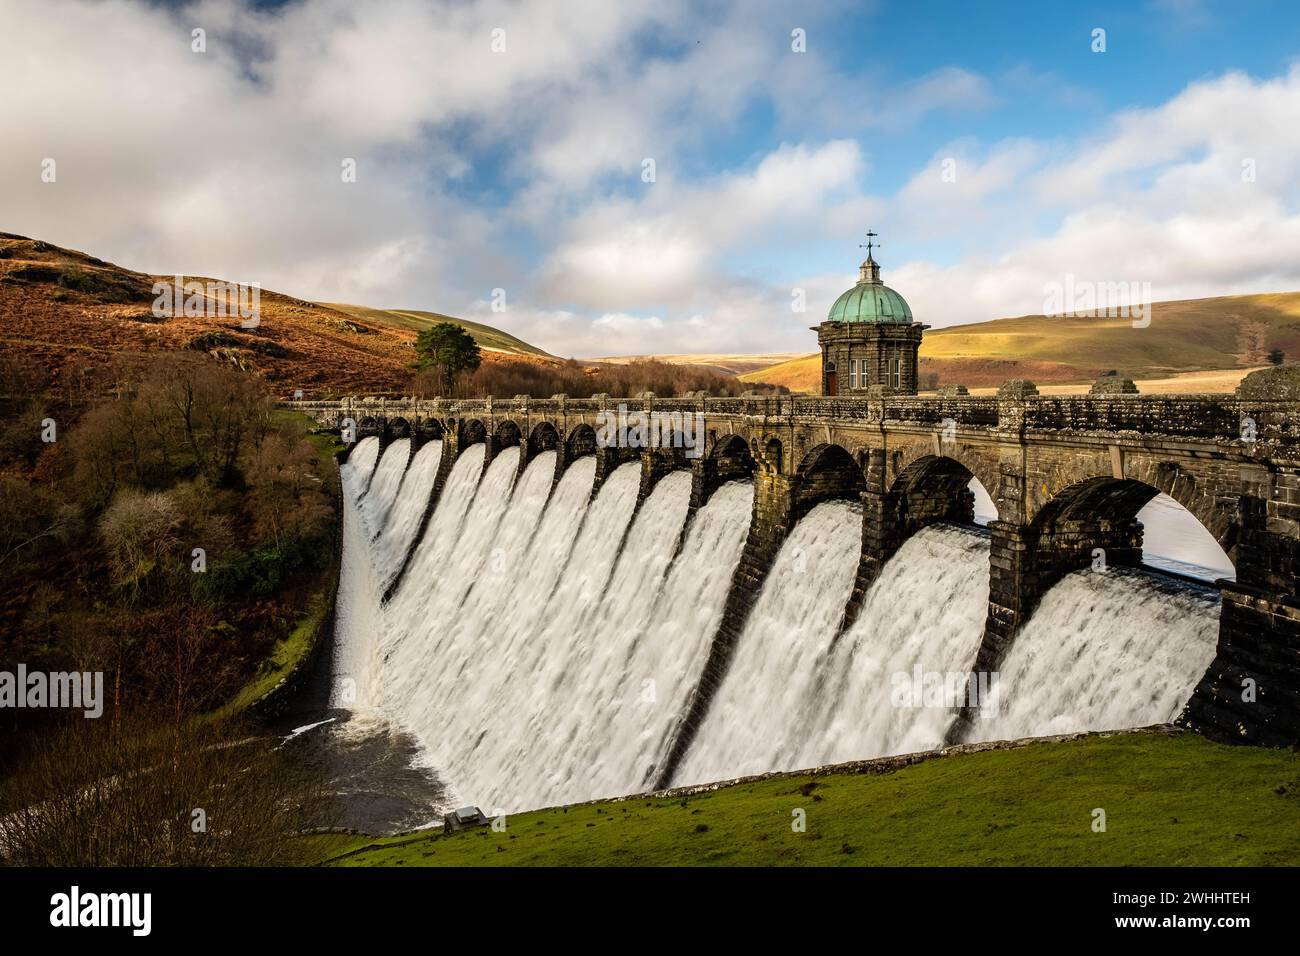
{"type": "Point", "coordinates": [139, 534]}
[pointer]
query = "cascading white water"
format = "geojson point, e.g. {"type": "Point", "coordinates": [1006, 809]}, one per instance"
{"type": "Point", "coordinates": [552, 665]}
{"type": "Point", "coordinates": [378, 499]}
{"type": "Point", "coordinates": [665, 657]}
{"type": "Point", "coordinates": [923, 616]}
{"type": "Point", "coordinates": [360, 465]}
{"type": "Point", "coordinates": [1104, 650]}
{"type": "Point", "coordinates": [543, 644]}
{"type": "Point", "coordinates": [491, 592]}
{"type": "Point", "coordinates": [403, 522]}
{"type": "Point", "coordinates": [413, 618]}
{"type": "Point", "coordinates": [357, 616]}
{"type": "Point", "coordinates": [530, 663]}
{"type": "Point", "coordinates": [776, 661]}
{"type": "Point", "coordinates": [579, 649]}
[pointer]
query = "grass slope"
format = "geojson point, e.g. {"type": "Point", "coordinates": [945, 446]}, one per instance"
{"type": "Point", "coordinates": [1169, 800]}
{"type": "Point", "coordinates": [415, 320]}
{"type": "Point", "coordinates": [1184, 336]}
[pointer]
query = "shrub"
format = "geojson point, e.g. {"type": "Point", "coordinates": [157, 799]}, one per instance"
{"type": "Point", "coordinates": [207, 341]}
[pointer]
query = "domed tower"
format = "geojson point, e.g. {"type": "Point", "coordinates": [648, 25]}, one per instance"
{"type": "Point", "coordinates": [869, 338]}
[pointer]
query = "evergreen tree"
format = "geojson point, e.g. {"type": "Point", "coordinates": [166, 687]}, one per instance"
{"type": "Point", "coordinates": [448, 348]}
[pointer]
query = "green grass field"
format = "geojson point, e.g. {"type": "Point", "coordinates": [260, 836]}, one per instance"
{"type": "Point", "coordinates": [1168, 800]}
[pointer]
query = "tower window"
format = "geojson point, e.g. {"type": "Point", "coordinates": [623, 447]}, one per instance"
{"type": "Point", "coordinates": [853, 373]}
{"type": "Point", "coordinates": [895, 373]}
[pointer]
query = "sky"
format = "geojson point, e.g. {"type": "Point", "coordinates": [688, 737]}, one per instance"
{"type": "Point", "coordinates": [661, 177]}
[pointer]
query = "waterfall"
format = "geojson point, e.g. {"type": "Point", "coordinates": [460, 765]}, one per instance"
{"type": "Point", "coordinates": [357, 615]}
{"type": "Point", "coordinates": [1104, 649]}
{"type": "Point", "coordinates": [924, 615]}
{"type": "Point", "coordinates": [416, 616]}
{"type": "Point", "coordinates": [403, 521]}
{"type": "Point", "coordinates": [546, 642]}
{"type": "Point", "coordinates": [378, 499]}
{"type": "Point", "coordinates": [666, 658]}
{"type": "Point", "coordinates": [360, 465]}
{"type": "Point", "coordinates": [531, 663]}
{"type": "Point", "coordinates": [776, 664]}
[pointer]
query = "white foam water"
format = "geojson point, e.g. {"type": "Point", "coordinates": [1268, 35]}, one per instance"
{"type": "Point", "coordinates": [403, 522]}
{"type": "Point", "coordinates": [357, 615]}
{"type": "Point", "coordinates": [359, 466]}
{"type": "Point", "coordinates": [544, 643]}
{"type": "Point", "coordinates": [1104, 650]}
{"type": "Point", "coordinates": [596, 714]}
{"type": "Point", "coordinates": [528, 663]}
{"type": "Point", "coordinates": [777, 659]}
{"type": "Point", "coordinates": [923, 616]}
{"type": "Point", "coordinates": [378, 499]}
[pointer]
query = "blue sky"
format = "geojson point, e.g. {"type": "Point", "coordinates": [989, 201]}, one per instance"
{"type": "Point", "coordinates": [991, 146]}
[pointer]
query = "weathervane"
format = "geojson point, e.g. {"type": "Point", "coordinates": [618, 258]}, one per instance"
{"type": "Point", "coordinates": [869, 243]}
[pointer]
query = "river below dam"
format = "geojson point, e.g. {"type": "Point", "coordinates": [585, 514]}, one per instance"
{"type": "Point", "coordinates": [543, 645]}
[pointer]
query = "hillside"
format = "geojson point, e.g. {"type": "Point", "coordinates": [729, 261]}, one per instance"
{"type": "Point", "coordinates": [487, 337]}
{"type": "Point", "coordinates": [74, 325]}
{"type": "Point", "coordinates": [722, 363]}
{"type": "Point", "coordinates": [1193, 335]}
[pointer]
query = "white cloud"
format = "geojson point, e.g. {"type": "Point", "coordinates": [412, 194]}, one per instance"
{"type": "Point", "coordinates": [522, 170]}
{"type": "Point", "coordinates": [667, 248]}
{"type": "Point", "coordinates": [1157, 197]}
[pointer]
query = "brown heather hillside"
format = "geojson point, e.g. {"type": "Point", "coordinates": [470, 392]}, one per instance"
{"type": "Point", "coordinates": [73, 327]}
{"type": "Point", "coordinates": [77, 326]}
{"type": "Point", "coordinates": [1188, 336]}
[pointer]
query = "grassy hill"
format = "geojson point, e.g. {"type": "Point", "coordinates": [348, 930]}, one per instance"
{"type": "Point", "coordinates": [722, 363]}
{"type": "Point", "coordinates": [1228, 332]}
{"type": "Point", "coordinates": [1169, 800]}
{"type": "Point", "coordinates": [73, 325]}
{"type": "Point", "coordinates": [413, 320]}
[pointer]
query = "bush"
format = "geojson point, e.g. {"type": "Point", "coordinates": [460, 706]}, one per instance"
{"type": "Point", "coordinates": [212, 340]}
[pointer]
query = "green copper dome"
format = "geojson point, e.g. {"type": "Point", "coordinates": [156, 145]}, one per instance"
{"type": "Point", "coordinates": [870, 301]}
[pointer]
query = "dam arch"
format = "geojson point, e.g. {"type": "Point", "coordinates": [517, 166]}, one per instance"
{"type": "Point", "coordinates": [1093, 491]}
{"type": "Point", "coordinates": [397, 428]}
{"type": "Point", "coordinates": [469, 431]}
{"type": "Point", "coordinates": [580, 441]}
{"type": "Point", "coordinates": [543, 437]}
{"type": "Point", "coordinates": [728, 459]}
{"type": "Point", "coordinates": [827, 472]}
{"type": "Point", "coordinates": [1090, 522]}
{"type": "Point", "coordinates": [981, 466]}
{"type": "Point", "coordinates": [905, 491]}
{"type": "Point", "coordinates": [506, 435]}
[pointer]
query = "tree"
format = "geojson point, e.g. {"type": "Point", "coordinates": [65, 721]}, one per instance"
{"type": "Point", "coordinates": [449, 349]}
{"type": "Point", "coordinates": [139, 533]}
{"type": "Point", "coordinates": [1276, 356]}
